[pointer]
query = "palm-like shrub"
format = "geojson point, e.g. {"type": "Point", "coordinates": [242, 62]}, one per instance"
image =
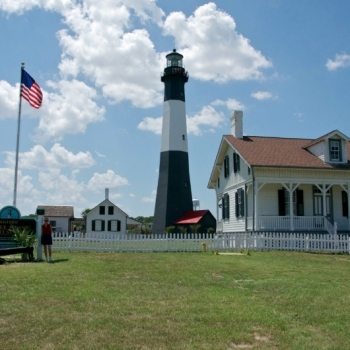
{"type": "Point", "coordinates": [24, 237]}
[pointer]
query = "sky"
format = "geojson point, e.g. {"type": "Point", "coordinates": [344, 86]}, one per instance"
{"type": "Point", "coordinates": [284, 63]}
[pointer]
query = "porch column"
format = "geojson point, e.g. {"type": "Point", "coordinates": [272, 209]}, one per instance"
{"type": "Point", "coordinates": [290, 190]}
{"type": "Point", "coordinates": [256, 190]}
{"type": "Point", "coordinates": [324, 200]}
{"type": "Point", "coordinates": [348, 192]}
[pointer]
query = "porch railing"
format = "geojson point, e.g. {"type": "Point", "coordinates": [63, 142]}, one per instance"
{"type": "Point", "coordinates": [310, 223]}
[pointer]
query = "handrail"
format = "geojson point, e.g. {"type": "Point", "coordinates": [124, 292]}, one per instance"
{"type": "Point", "coordinates": [331, 229]}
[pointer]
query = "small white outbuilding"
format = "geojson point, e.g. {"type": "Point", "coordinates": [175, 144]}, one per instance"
{"type": "Point", "coordinates": [106, 217]}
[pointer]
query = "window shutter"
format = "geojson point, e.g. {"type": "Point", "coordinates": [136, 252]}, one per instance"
{"type": "Point", "coordinates": [93, 225]}
{"type": "Point", "coordinates": [300, 203]}
{"type": "Point", "coordinates": [102, 225]}
{"type": "Point", "coordinates": [242, 203]}
{"type": "Point", "coordinates": [236, 162]}
{"type": "Point", "coordinates": [345, 203]}
{"type": "Point", "coordinates": [237, 204]}
{"type": "Point", "coordinates": [226, 166]}
{"type": "Point", "coordinates": [109, 225]}
{"type": "Point", "coordinates": [281, 204]}
{"type": "Point", "coordinates": [223, 211]}
{"type": "Point", "coordinates": [227, 206]}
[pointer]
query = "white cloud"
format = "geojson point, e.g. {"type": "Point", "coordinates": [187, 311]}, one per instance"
{"type": "Point", "coordinates": [151, 124]}
{"type": "Point", "coordinates": [122, 63]}
{"type": "Point", "coordinates": [115, 196]}
{"type": "Point", "coordinates": [108, 180]}
{"type": "Point", "coordinates": [9, 98]}
{"type": "Point", "coordinates": [340, 61]}
{"type": "Point", "coordinates": [231, 104]}
{"type": "Point", "coordinates": [69, 111]}
{"type": "Point", "coordinates": [213, 49]}
{"type": "Point", "coordinates": [59, 189]}
{"type": "Point", "coordinates": [100, 154]}
{"type": "Point", "coordinates": [207, 117]}
{"type": "Point", "coordinates": [57, 158]}
{"type": "Point", "coordinates": [150, 199]}
{"type": "Point", "coordinates": [263, 95]}
{"type": "Point", "coordinates": [26, 191]}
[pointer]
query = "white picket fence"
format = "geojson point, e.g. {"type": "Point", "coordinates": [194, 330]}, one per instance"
{"type": "Point", "coordinates": [111, 242]}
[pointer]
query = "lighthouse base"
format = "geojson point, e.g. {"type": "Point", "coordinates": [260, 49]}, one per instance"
{"type": "Point", "coordinates": [174, 195]}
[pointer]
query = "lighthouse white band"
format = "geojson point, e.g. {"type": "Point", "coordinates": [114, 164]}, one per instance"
{"type": "Point", "coordinates": [174, 119]}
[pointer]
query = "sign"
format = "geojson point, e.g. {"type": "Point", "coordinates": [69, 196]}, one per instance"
{"type": "Point", "coordinates": [9, 212]}
{"type": "Point", "coordinates": [11, 217]}
{"type": "Point", "coordinates": [40, 211]}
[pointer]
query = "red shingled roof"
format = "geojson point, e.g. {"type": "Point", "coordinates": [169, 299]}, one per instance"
{"type": "Point", "coordinates": [191, 217]}
{"type": "Point", "coordinates": [274, 151]}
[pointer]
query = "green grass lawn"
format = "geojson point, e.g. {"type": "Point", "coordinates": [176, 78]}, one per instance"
{"type": "Point", "coordinates": [269, 300]}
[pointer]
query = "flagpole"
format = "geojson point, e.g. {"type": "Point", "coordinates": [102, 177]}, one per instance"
{"type": "Point", "coordinates": [18, 133]}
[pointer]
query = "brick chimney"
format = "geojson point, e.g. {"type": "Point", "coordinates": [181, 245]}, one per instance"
{"type": "Point", "coordinates": [237, 124]}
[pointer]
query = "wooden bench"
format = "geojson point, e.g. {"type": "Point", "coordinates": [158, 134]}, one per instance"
{"type": "Point", "coordinates": [10, 247]}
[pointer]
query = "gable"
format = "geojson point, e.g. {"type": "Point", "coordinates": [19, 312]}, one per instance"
{"type": "Point", "coordinates": [106, 203]}
{"type": "Point", "coordinates": [324, 146]}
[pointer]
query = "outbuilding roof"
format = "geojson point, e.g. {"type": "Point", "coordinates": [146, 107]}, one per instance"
{"type": "Point", "coordinates": [191, 217]}
{"type": "Point", "coordinates": [58, 210]}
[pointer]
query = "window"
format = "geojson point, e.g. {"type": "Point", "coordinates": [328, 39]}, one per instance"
{"type": "Point", "coordinates": [318, 202]}
{"type": "Point", "coordinates": [226, 206]}
{"type": "Point", "coordinates": [114, 225]}
{"type": "Point", "coordinates": [249, 170]}
{"type": "Point", "coordinates": [218, 182]}
{"type": "Point", "coordinates": [283, 203]}
{"type": "Point", "coordinates": [239, 197]}
{"type": "Point", "coordinates": [236, 162]}
{"type": "Point", "coordinates": [183, 137]}
{"type": "Point", "coordinates": [110, 210]}
{"type": "Point", "coordinates": [98, 225]}
{"type": "Point", "coordinates": [53, 225]}
{"type": "Point", "coordinates": [226, 166]}
{"type": "Point", "coordinates": [102, 210]}
{"type": "Point", "coordinates": [345, 204]}
{"type": "Point", "coordinates": [334, 150]}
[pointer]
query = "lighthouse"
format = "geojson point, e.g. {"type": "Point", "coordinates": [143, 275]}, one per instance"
{"type": "Point", "coordinates": [174, 195]}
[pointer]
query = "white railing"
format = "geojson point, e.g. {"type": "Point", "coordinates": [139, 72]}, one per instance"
{"type": "Point", "coordinates": [331, 229]}
{"type": "Point", "coordinates": [310, 223]}
{"type": "Point", "coordinates": [111, 242]}
{"type": "Point", "coordinates": [219, 226]}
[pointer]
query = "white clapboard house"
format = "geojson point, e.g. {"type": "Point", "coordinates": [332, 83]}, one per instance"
{"type": "Point", "coordinates": [106, 217]}
{"type": "Point", "coordinates": [60, 216]}
{"type": "Point", "coordinates": [281, 184]}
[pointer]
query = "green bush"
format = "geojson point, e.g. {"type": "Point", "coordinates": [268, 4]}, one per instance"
{"type": "Point", "coordinates": [24, 236]}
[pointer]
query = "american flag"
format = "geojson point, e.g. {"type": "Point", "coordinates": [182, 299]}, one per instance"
{"type": "Point", "coordinates": [30, 90]}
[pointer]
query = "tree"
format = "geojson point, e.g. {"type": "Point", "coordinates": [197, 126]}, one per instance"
{"type": "Point", "coordinates": [84, 212]}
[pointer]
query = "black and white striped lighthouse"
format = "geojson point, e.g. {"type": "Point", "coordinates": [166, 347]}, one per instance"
{"type": "Point", "coordinates": [174, 195]}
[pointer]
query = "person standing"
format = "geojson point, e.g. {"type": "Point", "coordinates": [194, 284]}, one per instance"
{"type": "Point", "coordinates": [46, 239]}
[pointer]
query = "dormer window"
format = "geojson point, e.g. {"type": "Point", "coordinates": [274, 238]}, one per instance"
{"type": "Point", "coordinates": [334, 150]}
